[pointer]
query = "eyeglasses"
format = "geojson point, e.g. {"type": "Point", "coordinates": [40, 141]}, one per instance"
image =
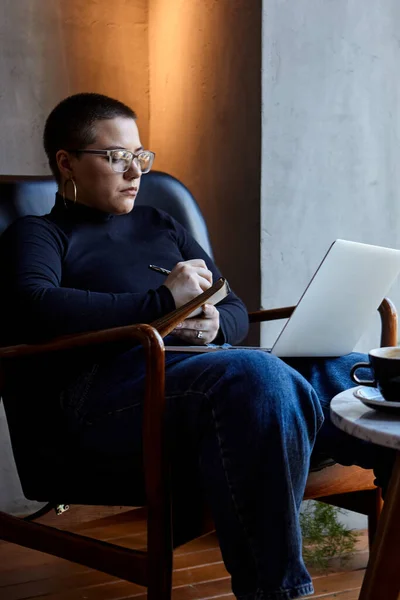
{"type": "Point", "coordinates": [121, 160]}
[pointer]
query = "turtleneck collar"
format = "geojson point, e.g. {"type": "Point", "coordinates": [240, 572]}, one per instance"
{"type": "Point", "coordinates": [79, 212]}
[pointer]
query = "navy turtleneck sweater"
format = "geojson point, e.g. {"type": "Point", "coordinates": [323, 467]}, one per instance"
{"type": "Point", "coordinates": [79, 269]}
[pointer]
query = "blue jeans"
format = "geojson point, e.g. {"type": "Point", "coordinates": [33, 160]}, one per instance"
{"type": "Point", "coordinates": [242, 425]}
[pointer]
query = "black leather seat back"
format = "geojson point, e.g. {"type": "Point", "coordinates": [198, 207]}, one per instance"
{"type": "Point", "coordinates": [167, 193]}
{"type": "Point", "coordinates": [20, 196]}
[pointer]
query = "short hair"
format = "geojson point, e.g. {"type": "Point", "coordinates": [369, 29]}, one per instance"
{"type": "Point", "coordinates": [71, 124]}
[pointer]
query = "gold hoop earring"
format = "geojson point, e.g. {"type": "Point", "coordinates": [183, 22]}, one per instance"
{"type": "Point", "coordinates": [72, 180]}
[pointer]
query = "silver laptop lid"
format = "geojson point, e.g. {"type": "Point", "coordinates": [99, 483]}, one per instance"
{"type": "Point", "coordinates": [339, 301]}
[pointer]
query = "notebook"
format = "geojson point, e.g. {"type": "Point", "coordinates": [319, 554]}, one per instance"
{"type": "Point", "coordinates": [337, 305]}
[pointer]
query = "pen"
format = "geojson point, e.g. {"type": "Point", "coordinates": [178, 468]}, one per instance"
{"type": "Point", "coordinates": [159, 270]}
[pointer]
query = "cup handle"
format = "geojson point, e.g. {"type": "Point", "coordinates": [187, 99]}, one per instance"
{"type": "Point", "coordinates": [361, 365]}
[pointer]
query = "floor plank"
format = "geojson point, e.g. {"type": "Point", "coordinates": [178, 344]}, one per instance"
{"type": "Point", "coordinates": [199, 573]}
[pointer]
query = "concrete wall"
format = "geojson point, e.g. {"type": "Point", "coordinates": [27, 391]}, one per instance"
{"type": "Point", "coordinates": [330, 138]}
{"type": "Point", "coordinates": [205, 61]}
{"type": "Point", "coordinates": [51, 49]}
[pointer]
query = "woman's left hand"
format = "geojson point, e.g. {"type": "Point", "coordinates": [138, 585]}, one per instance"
{"type": "Point", "coordinates": [199, 330]}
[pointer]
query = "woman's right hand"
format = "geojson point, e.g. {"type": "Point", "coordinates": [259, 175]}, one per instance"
{"type": "Point", "coordinates": [188, 279]}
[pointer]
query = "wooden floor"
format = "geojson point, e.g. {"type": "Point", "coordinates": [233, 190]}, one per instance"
{"type": "Point", "coordinates": [199, 573]}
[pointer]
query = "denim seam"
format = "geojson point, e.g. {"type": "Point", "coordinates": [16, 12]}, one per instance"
{"type": "Point", "coordinates": [239, 513]}
{"type": "Point", "coordinates": [223, 462]}
{"type": "Point", "coordinates": [91, 420]}
{"type": "Point", "coordinates": [79, 403]}
{"type": "Point", "coordinates": [89, 384]}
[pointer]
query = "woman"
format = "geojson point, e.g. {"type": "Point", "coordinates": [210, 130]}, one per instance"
{"type": "Point", "coordinates": [243, 422]}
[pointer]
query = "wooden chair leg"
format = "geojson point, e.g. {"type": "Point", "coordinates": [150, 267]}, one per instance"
{"type": "Point", "coordinates": [381, 579]}
{"type": "Point", "coordinates": [159, 551]}
{"type": "Point", "coordinates": [160, 586]}
{"type": "Point", "coordinates": [373, 517]}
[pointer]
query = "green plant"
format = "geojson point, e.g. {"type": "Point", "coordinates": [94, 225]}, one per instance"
{"type": "Point", "coordinates": [324, 536]}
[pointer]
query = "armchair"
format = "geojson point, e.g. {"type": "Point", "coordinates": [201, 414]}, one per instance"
{"type": "Point", "coordinates": [49, 475]}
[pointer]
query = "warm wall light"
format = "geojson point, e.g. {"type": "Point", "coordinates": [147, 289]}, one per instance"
{"type": "Point", "coordinates": [205, 113]}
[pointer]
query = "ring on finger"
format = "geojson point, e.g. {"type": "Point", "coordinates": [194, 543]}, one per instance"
{"type": "Point", "coordinates": [199, 335]}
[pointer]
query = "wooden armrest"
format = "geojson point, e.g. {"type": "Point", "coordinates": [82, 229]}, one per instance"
{"type": "Point", "coordinates": [271, 314]}
{"type": "Point", "coordinates": [79, 340]}
{"type": "Point", "coordinates": [387, 311]}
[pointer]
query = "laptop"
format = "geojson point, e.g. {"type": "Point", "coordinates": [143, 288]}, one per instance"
{"type": "Point", "coordinates": [336, 306]}
{"type": "Point", "coordinates": [340, 300]}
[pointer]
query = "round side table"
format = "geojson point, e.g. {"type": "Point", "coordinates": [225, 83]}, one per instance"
{"type": "Point", "coordinates": [382, 577]}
